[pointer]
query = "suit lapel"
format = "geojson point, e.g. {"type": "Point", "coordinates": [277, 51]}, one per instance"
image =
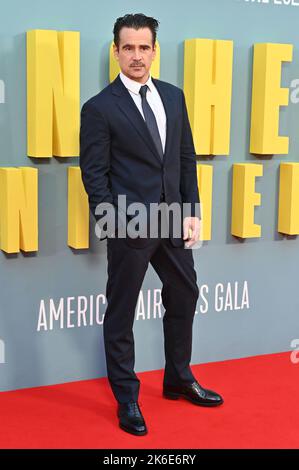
{"type": "Point", "coordinates": [129, 108]}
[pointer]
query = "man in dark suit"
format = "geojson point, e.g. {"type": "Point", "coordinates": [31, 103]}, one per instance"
{"type": "Point", "coordinates": [136, 141]}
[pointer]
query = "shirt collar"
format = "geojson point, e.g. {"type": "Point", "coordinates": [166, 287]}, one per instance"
{"type": "Point", "coordinates": [134, 86]}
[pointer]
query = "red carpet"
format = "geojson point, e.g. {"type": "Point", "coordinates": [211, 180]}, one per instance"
{"type": "Point", "coordinates": [260, 410]}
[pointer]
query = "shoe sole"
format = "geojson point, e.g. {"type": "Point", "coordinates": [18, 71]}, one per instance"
{"type": "Point", "coordinates": [176, 396]}
{"type": "Point", "coordinates": [130, 431]}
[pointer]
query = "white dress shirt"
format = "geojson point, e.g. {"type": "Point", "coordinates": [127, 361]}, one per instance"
{"type": "Point", "coordinates": [153, 99]}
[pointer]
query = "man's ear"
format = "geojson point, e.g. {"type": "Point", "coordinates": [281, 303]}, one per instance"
{"type": "Point", "coordinates": [154, 51]}
{"type": "Point", "coordinates": [115, 51]}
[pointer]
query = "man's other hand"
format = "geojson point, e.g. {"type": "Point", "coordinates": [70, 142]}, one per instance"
{"type": "Point", "coordinates": [191, 230]}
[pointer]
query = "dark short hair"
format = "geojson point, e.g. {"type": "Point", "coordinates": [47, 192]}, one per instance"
{"type": "Point", "coordinates": [136, 21]}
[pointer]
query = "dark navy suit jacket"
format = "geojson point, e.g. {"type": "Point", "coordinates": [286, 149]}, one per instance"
{"type": "Point", "coordinates": [119, 157]}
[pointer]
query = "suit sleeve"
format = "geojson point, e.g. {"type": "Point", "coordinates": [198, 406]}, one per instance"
{"type": "Point", "coordinates": [188, 183]}
{"type": "Point", "coordinates": [95, 157]}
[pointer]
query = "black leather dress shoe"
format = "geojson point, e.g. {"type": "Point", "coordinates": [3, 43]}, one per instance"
{"type": "Point", "coordinates": [131, 419]}
{"type": "Point", "coordinates": [193, 392]}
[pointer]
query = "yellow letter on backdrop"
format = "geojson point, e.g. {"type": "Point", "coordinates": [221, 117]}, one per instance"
{"type": "Point", "coordinates": [78, 210]}
{"type": "Point", "coordinates": [53, 93]}
{"type": "Point", "coordinates": [208, 67]}
{"type": "Point", "coordinates": [267, 97]}
{"type": "Point", "coordinates": [18, 209]}
{"type": "Point", "coordinates": [205, 183]}
{"type": "Point", "coordinates": [288, 209]}
{"type": "Point", "coordinates": [244, 199]}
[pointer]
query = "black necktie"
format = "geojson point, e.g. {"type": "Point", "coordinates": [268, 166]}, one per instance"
{"type": "Point", "coordinates": [151, 120]}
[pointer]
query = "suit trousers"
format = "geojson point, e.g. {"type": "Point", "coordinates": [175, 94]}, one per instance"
{"type": "Point", "coordinates": [126, 271]}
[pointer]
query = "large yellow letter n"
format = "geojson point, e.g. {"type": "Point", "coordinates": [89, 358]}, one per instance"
{"type": "Point", "coordinates": [53, 93]}
{"type": "Point", "coordinates": [18, 209]}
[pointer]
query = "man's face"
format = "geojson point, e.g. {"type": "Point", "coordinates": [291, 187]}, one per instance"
{"type": "Point", "coordinates": [135, 53]}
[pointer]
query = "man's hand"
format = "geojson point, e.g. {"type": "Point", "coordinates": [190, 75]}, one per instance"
{"type": "Point", "coordinates": [191, 228]}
